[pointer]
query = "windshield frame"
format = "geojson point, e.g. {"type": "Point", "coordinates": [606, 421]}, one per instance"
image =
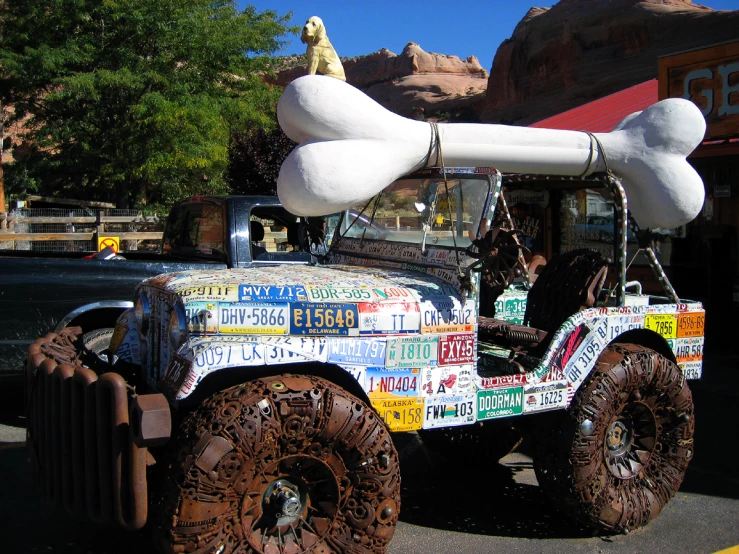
{"type": "Point", "coordinates": [367, 216]}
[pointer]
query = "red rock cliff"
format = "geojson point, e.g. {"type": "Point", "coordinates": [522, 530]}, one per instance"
{"type": "Point", "coordinates": [580, 50]}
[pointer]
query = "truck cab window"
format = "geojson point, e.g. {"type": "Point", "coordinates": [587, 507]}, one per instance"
{"type": "Point", "coordinates": [275, 235]}
{"type": "Point", "coordinates": [196, 229]}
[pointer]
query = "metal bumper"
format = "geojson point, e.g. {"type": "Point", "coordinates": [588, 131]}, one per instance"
{"type": "Point", "coordinates": [89, 433]}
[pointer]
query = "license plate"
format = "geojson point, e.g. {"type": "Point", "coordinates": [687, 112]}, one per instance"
{"type": "Point", "coordinates": [202, 317]}
{"type": "Point", "coordinates": [253, 318]}
{"type": "Point", "coordinates": [339, 294]}
{"type": "Point", "coordinates": [271, 293]}
{"type": "Point", "coordinates": [692, 370]}
{"type": "Point", "coordinates": [285, 350]}
{"type": "Point", "coordinates": [366, 352]}
{"type": "Point", "coordinates": [449, 410]}
{"type": "Point", "coordinates": [447, 316]}
{"type": "Point", "coordinates": [547, 397]}
{"type": "Point", "coordinates": [394, 318]}
{"type": "Point", "coordinates": [456, 349]}
{"type": "Point", "coordinates": [400, 414]}
{"type": "Point", "coordinates": [691, 324]}
{"type": "Point", "coordinates": [688, 350]}
{"type": "Point", "coordinates": [447, 379]}
{"type": "Point", "coordinates": [229, 355]}
{"type": "Point", "coordinates": [663, 324]}
{"type": "Point", "coordinates": [419, 351]}
{"type": "Point", "coordinates": [499, 403]}
{"type": "Point", "coordinates": [313, 318]}
{"type": "Point", "coordinates": [382, 382]}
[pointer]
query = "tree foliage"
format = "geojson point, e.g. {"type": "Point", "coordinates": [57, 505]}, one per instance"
{"type": "Point", "coordinates": [134, 100]}
{"type": "Point", "coordinates": [256, 154]}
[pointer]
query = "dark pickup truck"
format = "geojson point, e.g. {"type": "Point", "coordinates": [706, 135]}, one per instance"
{"type": "Point", "coordinates": [43, 292]}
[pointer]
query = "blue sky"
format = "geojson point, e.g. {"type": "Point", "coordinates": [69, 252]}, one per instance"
{"type": "Point", "coordinates": [461, 28]}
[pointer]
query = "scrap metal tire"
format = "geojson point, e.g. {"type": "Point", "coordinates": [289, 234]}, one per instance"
{"type": "Point", "coordinates": [284, 464]}
{"type": "Point", "coordinates": [620, 452]}
{"type": "Point", "coordinates": [483, 442]}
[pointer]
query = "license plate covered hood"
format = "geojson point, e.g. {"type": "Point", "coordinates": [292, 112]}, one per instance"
{"type": "Point", "coordinates": [318, 301]}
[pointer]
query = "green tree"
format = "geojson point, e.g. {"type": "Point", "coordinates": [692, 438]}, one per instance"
{"type": "Point", "coordinates": [255, 156]}
{"type": "Point", "coordinates": [135, 100]}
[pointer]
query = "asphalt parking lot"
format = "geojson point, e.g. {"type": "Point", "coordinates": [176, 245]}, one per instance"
{"type": "Point", "coordinates": [459, 506]}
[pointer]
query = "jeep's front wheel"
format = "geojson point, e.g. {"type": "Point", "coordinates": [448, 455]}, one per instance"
{"type": "Point", "coordinates": [283, 464]}
{"type": "Point", "coordinates": [617, 456]}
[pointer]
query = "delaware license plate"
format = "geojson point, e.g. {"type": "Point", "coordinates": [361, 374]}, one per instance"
{"type": "Point", "coordinates": [317, 318]}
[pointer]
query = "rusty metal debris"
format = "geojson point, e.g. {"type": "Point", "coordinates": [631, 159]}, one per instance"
{"type": "Point", "coordinates": [284, 464]}
{"type": "Point", "coordinates": [79, 431]}
{"type": "Point", "coordinates": [630, 436]}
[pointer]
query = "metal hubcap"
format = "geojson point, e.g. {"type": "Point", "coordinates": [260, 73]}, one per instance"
{"type": "Point", "coordinates": [295, 504]}
{"type": "Point", "coordinates": [284, 499]}
{"type": "Point", "coordinates": [619, 436]}
{"type": "Point", "coordinates": [630, 439]}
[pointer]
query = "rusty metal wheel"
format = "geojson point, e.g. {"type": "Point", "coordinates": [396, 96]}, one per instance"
{"type": "Point", "coordinates": [284, 464]}
{"type": "Point", "coordinates": [484, 442]}
{"type": "Point", "coordinates": [617, 456]}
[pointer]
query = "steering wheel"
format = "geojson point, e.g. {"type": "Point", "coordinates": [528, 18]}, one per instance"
{"type": "Point", "coordinates": [499, 256]}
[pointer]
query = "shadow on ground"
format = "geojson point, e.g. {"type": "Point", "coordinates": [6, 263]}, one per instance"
{"type": "Point", "coordinates": [476, 497]}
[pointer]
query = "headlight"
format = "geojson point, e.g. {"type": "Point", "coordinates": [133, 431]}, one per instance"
{"type": "Point", "coordinates": [141, 313]}
{"type": "Point", "coordinates": [177, 326]}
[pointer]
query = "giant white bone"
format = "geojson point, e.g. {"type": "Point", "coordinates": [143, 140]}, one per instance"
{"type": "Point", "coordinates": [350, 148]}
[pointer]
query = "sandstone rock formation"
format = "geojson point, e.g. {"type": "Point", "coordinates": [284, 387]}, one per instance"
{"type": "Point", "coordinates": [438, 83]}
{"type": "Point", "coordinates": [580, 50]}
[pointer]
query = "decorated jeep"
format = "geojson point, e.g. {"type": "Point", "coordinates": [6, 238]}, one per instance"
{"type": "Point", "coordinates": [252, 409]}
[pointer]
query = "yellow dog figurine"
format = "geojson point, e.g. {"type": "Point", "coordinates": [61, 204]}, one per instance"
{"type": "Point", "coordinates": [322, 58]}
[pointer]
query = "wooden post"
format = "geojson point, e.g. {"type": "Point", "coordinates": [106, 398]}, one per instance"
{"type": "Point", "coordinates": [99, 230]}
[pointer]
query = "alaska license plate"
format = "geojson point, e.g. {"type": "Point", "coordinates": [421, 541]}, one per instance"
{"type": "Point", "coordinates": [400, 414]}
{"type": "Point", "coordinates": [318, 318]}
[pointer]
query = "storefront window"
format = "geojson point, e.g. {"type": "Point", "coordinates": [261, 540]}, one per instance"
{"type": "Point", "coordinates": [586, 219]}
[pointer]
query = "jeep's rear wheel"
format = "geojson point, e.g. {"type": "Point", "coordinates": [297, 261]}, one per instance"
{"type": "Point", "coordinates": [617, 456]}
{"type": "Point", "coordinates": [283, 464]}
{"type": "Point", "coordinates": [488, 441]}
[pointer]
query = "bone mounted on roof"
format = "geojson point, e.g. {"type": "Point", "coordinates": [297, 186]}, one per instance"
{"type": "Point", "coordinates": [350, 148]}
